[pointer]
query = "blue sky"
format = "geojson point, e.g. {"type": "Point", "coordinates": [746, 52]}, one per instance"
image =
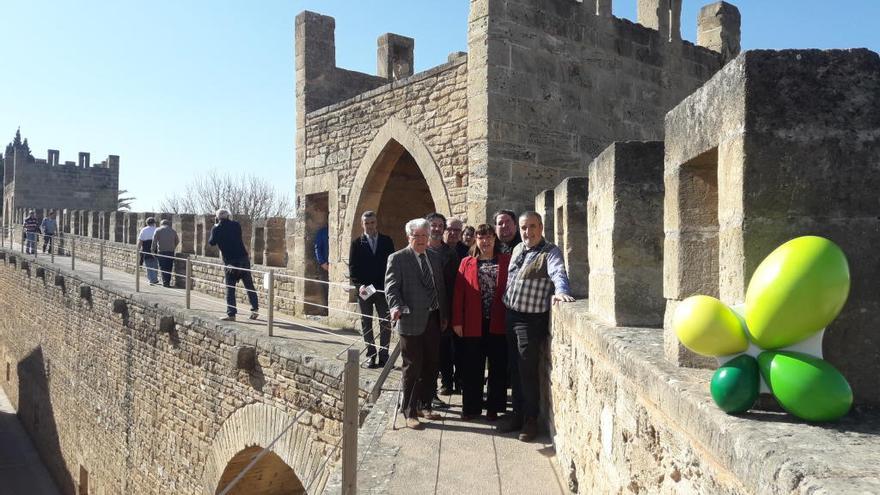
{"type": "Point", "coordinates": [177, 88]}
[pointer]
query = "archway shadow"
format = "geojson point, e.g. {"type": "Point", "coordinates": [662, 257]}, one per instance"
{"type": "Point", "coordinates": [270, 475]}
{"type": "Point", "coordinates": [37, 416]}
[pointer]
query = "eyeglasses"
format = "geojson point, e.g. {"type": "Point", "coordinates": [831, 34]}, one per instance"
{"type": "Point", "coordinates": [450, 229]}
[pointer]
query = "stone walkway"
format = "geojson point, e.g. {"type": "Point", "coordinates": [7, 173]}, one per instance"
{"type": "Point", "coordinates": [21, 470]}
{"type": "Point", "coordinates": [449, 456]}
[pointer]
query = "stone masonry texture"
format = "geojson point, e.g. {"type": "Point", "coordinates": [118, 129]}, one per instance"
{"type": "Point", "coordinates": [777, 145]}
{"type": "Point", "coordinates": [100, 386]}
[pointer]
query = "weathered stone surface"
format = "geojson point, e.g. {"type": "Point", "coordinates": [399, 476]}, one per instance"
{"type": "Point", "coordinates": [718, 29]}
{"type": "Point", "coordinates": [625, 233]}
{"type": "Point", "coordinates": [156, 414]}
{"type": "Point", "coordinates": [798, 156]}
{"type": "Point", "coordinates": [570, 225]}
{"type": "Point", "coordinates": [624, 419]}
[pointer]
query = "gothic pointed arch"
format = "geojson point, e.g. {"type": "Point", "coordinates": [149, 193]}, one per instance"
{"type": "Point", "coordinates": [394, 142]}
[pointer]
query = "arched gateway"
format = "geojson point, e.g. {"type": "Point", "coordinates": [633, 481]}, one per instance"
{"type": "Point", "coordinates": [289, 468]}
{"type": "Point", "coordinates": [398, 178]}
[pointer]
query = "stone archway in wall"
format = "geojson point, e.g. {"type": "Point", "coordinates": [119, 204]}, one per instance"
{"type": "Point", "coordinates": [399, 179]}
{"type": "Point", "coordinates": [288, 468]}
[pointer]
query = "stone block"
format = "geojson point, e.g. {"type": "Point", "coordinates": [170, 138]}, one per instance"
{"type": "Point", "coordinates": [116, 226]}
{"type": "Point", "coordinates": [570, 231]}
{"type": "Point", "coordinates": [243, 358]}
{"type": "Point", "coordinates": [395, 56]}
{"type": "Point", "coordinates": [185, 226]}
{"type": "Point", "coordinates": [275, 246]}
{"type": "Point", "coordinates": [625, 232]}
{"type": "Point", "coordinates": [206, 223]}
{"type": "Point", "coordinates": [545, 206]}
{"type": "Point", "coordinates": [166, 324]}
{"type": "Point", "coordinates": [120, 306]}
{"type": "Point", "coordinates": [718, 29]}
{"type": "Point", "coordinates": [797, 157]}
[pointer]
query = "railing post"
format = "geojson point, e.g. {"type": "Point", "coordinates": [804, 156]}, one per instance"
{"type": "Point", "coordinates": [350, 423]}
{"type": "Point", "coordinates": [36, 245]}
{"type": "Point", "coordinates": [270, 312]}
{"type": "Point", "coordinates": [52, 247]}
{"type": "Point", "coordinates": [23, 238]}
{"type": "Point", "coordinates": [137, 271]}
{"type": "Point", "coordinates": [101, 261]}
{"type": "Point", "coordinates": [188, 282]}
{"type": "Point", "coordinates": [73, 252]}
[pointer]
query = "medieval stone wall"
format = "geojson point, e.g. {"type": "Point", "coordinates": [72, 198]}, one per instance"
{"type": "Point", "coordinates": [554, 83]}
{"type": "Point", "coordinates": [45, 184]}
{"type": "Point", "coordinates": [433, 104]}
{"type": "Point", "coordinates": [140, 397]}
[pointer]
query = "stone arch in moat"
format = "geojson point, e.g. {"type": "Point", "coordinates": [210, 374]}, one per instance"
{"type": "Point", "coordinates": [290, 467]}
{"type": "Point", "coordinates": [398, 178]}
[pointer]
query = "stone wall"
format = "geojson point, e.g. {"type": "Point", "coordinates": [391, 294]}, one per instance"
{"type": "Point", "coordinates": [554, 82]}
{"type": "Point", "coordinates": [147, 399]}
{"type": "Point", "coordinates": [49, 184]}
{"type": "Point", "coordinates": [625, 420]}
{"type": "Point", "coordinates": [779, 144]}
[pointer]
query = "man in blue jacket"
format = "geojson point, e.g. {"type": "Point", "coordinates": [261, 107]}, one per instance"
{"type": "Point", "coordinates": [226, 235]}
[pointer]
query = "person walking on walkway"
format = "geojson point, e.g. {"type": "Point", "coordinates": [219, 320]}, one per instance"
{"type": "Point", "coordinates": [536, 280]}
{"type": "Point", "coordinates": [49, 228]}
{"type": "Point", "coordinates": [165, 241]}
{"type": "Point", "coordinates": [416, 293]}
{"type": "Point", "coordinates": [367, 260]}
{"type": "Point", "coordinates": [226, 235]}
{"type": "Point", "coordinates": [478, 319]}
{"type": "Point", "coordinates": [31, 228]}
{"type": "Point", "coordinates": [145, 247]}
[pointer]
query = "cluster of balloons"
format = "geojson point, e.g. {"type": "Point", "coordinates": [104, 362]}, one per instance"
{"type": "Point", "coordinates": [776, 336]}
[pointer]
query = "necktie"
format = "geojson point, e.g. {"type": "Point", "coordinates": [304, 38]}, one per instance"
{"type": "Point", "coordinates": [372, 243]}
{"type": "Point", "coordinates": [428, 280]}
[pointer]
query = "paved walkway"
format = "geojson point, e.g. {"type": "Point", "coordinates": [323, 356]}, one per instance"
{"type": "Point", "coordinates": [449, 456]}
{"type": "Point", "coordinates": [21, 470]}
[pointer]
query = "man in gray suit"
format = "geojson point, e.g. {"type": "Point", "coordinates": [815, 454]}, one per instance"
{"type": "Point", "coordinates": [416, 294]}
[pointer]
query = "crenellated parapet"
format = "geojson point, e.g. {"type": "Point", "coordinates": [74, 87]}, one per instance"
{"type": "Point", "coordinates": [49, 183]}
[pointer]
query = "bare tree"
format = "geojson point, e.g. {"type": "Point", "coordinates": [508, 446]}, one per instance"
{"type": "Point", "coordinates": [242, 195]}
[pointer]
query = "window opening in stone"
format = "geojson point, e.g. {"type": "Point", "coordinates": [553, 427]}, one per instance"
{"type": "Point", "coordinates": [699, 222]}
{"type": "Point", "coordinates": [8, 371]}
{"type": "Point", "coordinates": [269, 476]}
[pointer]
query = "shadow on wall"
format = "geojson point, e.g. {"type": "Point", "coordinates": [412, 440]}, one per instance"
{"type": "Point", "coordinates": [38, 418]}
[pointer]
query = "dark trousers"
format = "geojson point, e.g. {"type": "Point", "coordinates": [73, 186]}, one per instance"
{"type": "Point", "coordinates": [233, 275]}
{"type": "Point", "coordinates": [450, 359]}
{"type": "Point", "coordinates": [419, 353]}
{"type": "Point", "coordinates": [475, 352]}
{"type": "Point", "coordinates": [166, 265]}
{"type": "Point", "coordinates": [526, 333]}
{"type": "Point", "coordinates": [47, 241]}
{"type": "Point", "coordinates": [367, 324]}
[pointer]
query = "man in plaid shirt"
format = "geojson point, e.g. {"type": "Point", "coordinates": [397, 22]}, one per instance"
{"type": "Point", "coordinates": [536, 280]}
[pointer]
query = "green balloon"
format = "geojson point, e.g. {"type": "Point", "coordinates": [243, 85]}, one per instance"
{"type": "Point", "coordinates": [796, 291]}
{"type": "Point", "coordinates": [806, 386]}
{"type": "Point", "coordinates": [736, 384]}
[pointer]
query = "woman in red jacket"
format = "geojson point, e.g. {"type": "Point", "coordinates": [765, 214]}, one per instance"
{"type": "Point", "coordinates": [478, 318]}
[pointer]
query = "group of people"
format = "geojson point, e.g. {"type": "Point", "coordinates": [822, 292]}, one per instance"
{"type": "Point", "coordinates": [462, 299]}
{"type": "Point", "coordinates": [33, 227]}
{"type": "Point", "coordinates": [156, 246]}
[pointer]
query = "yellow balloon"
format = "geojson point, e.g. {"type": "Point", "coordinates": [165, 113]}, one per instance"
{"type": "Point", "coordinates": [709, 327]}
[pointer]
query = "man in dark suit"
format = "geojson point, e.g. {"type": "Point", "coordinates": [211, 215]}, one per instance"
{"type": "Point", "coordinates": [416, 293]}
{"type": "Point", "coordinates": [367, 260]}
